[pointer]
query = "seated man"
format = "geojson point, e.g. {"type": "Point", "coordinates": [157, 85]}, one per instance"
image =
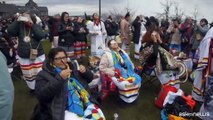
{"type": "Point", "coordinates": [116, 65]}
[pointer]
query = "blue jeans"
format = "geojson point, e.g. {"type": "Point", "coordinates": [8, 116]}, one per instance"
{"type": "Point", "coordinates": [175, 46]}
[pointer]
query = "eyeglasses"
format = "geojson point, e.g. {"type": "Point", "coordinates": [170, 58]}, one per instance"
{"type": "Point", "coordinates": [60, 58]}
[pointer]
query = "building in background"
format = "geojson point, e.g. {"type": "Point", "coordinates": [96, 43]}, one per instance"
{"type": "Point", "coordinates": [8, 10]}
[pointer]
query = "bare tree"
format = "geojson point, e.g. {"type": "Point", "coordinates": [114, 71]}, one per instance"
{"type": "Point", "coordinates": [178, 11]}
{"type": "Point", "coordinates": [118, 14]}
{"type": "Point", "coordinates": [166, 7]}
{"type": "Point", "coordinates": [104, 16]}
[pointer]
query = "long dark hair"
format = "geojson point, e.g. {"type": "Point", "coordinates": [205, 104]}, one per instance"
{"type": "Point", "coordinates": [147, 36]}
{"type": "Point", "coordinates": [93, 16]}
{"type": "Point", "coordinates": [62, 17]}
{"type": "Point", "coordinates": [53, 52]}
{"type": "Point", "coordinates": [137, 19]}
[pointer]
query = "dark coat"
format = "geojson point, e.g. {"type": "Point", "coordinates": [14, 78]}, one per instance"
{"type": "Point", "coordinates": [53, 24]}
{"type": "Point", "coordinates": [111, 27]}
{"type": "Point", "coordinates": [36, 35]}
{"type": "Point", "coordinates": [66, 37]}
{"type": "Point", "coordinates": [136, 31]}
{"type": "Point", "coordinates": [6, 52]}
{"type": "Point", "coordinates": [50, 92]}
{"type": "Point", "coordinates": [81, 37]}
{"type": "Point", "coordinates": [6, 46]}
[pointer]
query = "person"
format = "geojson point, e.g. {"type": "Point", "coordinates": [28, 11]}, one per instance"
{"type": "Point", "coordinates": [66, 35]}
{"type": "Point", "coordinates": [111, 28]}
{"type": "Point", "coordinates": [62, 90]}
{"type": "Point", "coordinates": [53, 30]}
{"type": "Point", "coordinates": [6, 91]}
{"type": "Point", "coordinates": [163, 32]}
{"type": "Point", "coordinates": [116, 66]}
{"type": "Point", "coordinates": [175, 39]}
{"type": "Point", "coordinates": [7, 47]}
{"type": "Point", "coordinates": [98, 35]}
{"type": "Point", "coordinates": [138, 32]}
{"type": "Point", "coordinates": [202, 87]}
{"type": "Point", "coordinates": [200, 31]}
{"type": "Point", "coordinates": [202, 61]}
{"type": "Point", "coordinates": [126, 33]}
{"type": "Point", "coordinates": [186, 29]}
{"type": "Point", "coordinates": [80, 38]}
{"type": "Point", "coordinates": [158, 58]}
{"type": "Point", "coordinates": [30, 51]}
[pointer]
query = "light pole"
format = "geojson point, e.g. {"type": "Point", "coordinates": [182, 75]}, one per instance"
{"type": "Point", "coordinates": [100, 9]}
{"type": "Point", "coordinates": [195, 13]}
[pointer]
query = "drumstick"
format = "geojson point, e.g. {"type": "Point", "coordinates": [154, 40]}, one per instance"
{"type": "Point", "coordinates": [64, 63]}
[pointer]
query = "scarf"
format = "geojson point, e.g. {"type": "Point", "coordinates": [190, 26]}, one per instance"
{"type": "Point", "coordinates": [126, 69]}
{"type": "Point", "coordinates": [78, 97]}
{"type": "Point", "coordinates": [97, 22]}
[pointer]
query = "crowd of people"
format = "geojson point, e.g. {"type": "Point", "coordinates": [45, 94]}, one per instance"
{"type": "Point", "coordinates": [61, 83]}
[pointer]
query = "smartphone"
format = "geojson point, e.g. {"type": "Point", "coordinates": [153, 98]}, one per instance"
{"type": "Point", "coordinates": [23, 18]}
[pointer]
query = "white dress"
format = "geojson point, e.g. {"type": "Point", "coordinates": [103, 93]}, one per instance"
{"type": "Point", "coordinates": [97, 41]}
{"type": "Point", "coordinates": [138, 46]}
{"type": "Point", "coordinates": [203, 53]}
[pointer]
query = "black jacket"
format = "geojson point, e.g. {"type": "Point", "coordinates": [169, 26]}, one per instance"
{"type": "Point", "coordinates": [6, 52]}
{"type": "Point", "coordinates": [81, 37]}
{"type": "Point", "coordinates": [66, 37]}
{"type": "Point", "coordinates": [111, 27]}
{"type": "Point", "coordinates": [36, 35]}
{"type": "Point", "coordinates": [136, 31]}
{"type": "Point", "coordinates": [53, 24]}
{"type": "Point", "coordinates": [51, 95]}
{"type": "Point", "coordinates": [6, 47]}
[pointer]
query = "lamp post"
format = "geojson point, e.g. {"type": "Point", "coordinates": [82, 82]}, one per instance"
{"type": "Point", "coordinates": [100, 9]}
{"type": "Point", "coordinates": [195, 13]}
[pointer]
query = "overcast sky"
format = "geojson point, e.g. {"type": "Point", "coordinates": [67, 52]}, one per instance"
{"type": "Point", "coordinates": [146, 7]}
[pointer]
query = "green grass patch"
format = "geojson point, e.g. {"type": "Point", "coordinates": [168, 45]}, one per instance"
{"type": "Point", "coordinates": [142, 109]}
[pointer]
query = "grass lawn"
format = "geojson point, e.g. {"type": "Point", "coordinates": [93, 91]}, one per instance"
{"type": "Point", "coordinates": [142, 109]}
